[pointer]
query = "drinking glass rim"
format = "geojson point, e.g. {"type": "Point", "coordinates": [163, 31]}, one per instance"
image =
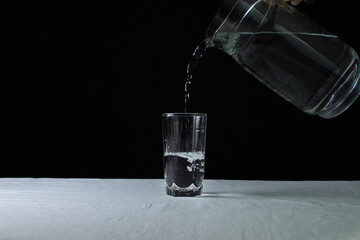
{"type": "Point", "coordinates": [183, 114]}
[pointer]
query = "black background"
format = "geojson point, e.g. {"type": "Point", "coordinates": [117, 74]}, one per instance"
{"type": "Point", "coordinates": [83, 86]}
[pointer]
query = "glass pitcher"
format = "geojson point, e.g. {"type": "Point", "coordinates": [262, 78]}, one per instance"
{"type": "Point", "coordinates": [289, 53]}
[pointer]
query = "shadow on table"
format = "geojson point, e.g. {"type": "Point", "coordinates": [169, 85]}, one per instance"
{"type": "Point", "coordinates": [232, 195]}
{"type": "Point", "coordinates": [283, 194]}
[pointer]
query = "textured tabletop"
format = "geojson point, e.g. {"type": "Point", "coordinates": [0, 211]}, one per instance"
{"type": "Point", "coordinates": [139, 209]}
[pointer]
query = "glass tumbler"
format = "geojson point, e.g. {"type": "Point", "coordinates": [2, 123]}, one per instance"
{"type": "Point", "coordinates": [184, 140]}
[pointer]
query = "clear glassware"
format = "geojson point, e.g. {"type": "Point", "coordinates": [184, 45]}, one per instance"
{"type": "Point", "coordinates": [289, 53]}
{"type": "Point", "coordinates": [184, 140]}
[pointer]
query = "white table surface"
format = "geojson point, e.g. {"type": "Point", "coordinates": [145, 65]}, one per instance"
{"type": "Point", "coordinates": [139, 209]}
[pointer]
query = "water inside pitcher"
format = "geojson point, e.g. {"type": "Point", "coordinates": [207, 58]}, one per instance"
{"type": "Point", "coordinates": [288, 52]}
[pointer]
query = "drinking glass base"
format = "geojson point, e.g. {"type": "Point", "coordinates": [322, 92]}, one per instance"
{"type": "Point", "coordinates": [190, 191]}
